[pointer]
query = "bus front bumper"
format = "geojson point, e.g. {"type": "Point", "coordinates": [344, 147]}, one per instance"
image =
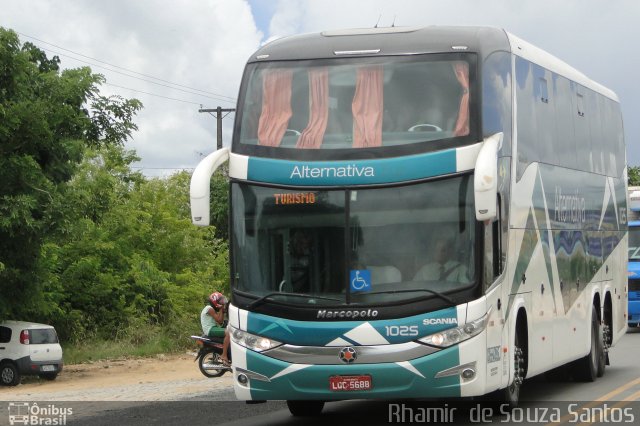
{"type": "Point", "coordinates": [438, 375]}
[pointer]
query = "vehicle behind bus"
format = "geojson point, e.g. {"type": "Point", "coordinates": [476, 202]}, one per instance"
{"type": "Point", "coordinates": [634, 256]}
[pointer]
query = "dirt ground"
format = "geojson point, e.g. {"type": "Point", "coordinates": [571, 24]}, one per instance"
{"type": "Point", "coordinates": [163, 378]}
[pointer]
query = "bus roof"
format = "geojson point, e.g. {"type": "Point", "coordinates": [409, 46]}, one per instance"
{"type": "Point", "coordinates": [416, 40]}
{"type": "Point", "coordinates": [536, 55]}
{"type": "Point", "coordinates": [384, 41]}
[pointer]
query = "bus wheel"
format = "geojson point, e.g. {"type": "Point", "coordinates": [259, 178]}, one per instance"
{"type": "Point", "coordinates": [512, 392]}
{"type": "Point", "coordinates": [305, 408]}
{"type": "Point", "coordinates": [602, 353]}
{"type": "Point", "coordinates": [586, 369]}
{"type": "Point", "coordinates": [605, 328]}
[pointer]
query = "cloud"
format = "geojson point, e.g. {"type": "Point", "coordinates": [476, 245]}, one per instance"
{"type": "Point", "coordinates": [204, 44]}
{"type": "Point", "coordinates": [197, 44]}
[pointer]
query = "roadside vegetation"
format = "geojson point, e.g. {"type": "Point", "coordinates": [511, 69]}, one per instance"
{"type": "Point", "coordinates": [633, 173]}
{"type": "Point", "coordinates": [88, 244]}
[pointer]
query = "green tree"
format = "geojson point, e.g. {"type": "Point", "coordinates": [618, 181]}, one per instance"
{"type": "Point", "coordinates": [633, 173]}
{"type": "Point", "coordinates": [129, 254]}
{"type": "Point", "coordinates": [47, 118]}
{"type": "Point", "coordinates": [219, 205]}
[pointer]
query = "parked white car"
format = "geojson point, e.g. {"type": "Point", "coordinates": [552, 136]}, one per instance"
{"type": "Point", "coordinates": [28, 348]}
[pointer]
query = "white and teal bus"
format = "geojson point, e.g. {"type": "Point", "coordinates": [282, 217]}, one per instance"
{"type": "Point", "coordinates": [419, 213]}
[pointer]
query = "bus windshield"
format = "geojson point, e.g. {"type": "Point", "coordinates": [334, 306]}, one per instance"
{"type": "Point", "coordinates": [634, 243]}
{"type": "Point", "coordinates": [356, 102]}
{"type": "Point", "coordinates": [378, 245]}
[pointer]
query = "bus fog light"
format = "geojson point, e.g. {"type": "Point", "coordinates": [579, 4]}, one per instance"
{"type": "Point", "coordinates": [468, 373]}
{"type": "Point", "coordinates": [243, 379]}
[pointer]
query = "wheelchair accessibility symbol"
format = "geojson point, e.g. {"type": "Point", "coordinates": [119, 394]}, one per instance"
{"type": "Point", "coordinates": [360, 280]}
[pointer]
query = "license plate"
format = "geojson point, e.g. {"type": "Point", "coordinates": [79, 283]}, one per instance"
{"type": "Point", "coordinates": [48, 368]}
{"type": "Point", "coordinates": [350, 383]}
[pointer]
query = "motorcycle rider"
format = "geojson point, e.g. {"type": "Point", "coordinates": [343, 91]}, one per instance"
{"type": "Point", "coordinates": [212, 321]}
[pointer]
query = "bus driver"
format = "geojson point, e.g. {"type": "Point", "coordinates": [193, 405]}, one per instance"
{"type": "Point", "coordinates": [443, 267]}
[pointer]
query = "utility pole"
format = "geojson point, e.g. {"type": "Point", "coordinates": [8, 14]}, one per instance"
{"type": "Point", "coordinates": [217, 113]}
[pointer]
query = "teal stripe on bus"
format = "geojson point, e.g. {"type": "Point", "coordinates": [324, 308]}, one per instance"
{"type": "Point", "coordinates": [356, 172]}
{"type": "Point", "coordinates": [321, 333]}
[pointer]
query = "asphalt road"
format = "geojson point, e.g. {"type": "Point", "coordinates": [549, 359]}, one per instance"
{"type": "Point", "coordinates": [545, 401]}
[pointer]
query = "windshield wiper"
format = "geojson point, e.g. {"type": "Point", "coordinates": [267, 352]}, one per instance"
{"type": "Point", "coordinates": [262, 299]}
{"type": "Point", "coordinates": [435, 293]}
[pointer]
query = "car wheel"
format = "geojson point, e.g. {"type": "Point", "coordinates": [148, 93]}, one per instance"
{"type": "Point", "coordinates": [9, 374]}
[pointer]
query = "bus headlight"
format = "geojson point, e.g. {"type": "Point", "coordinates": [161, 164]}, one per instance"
{"type": "Point", "coordinates": [252, 341]}
{"type": "Point", "coordinates": [456, 335]}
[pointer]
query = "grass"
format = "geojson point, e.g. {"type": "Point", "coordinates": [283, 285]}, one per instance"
{"type": "Point", "coordinates": [134, 342]}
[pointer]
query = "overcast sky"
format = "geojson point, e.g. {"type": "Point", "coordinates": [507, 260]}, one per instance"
{"type": "Point", "coordinates": [177, 55]}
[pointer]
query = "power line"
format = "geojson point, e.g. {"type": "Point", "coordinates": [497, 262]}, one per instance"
{"type": "Point", "coordinates": [138, 78]}
{"type": "Point", "coordinates": [123, 68]}
{"type": "Point", "coordinates": [230, 99]}
{"type": "Point", "coordinates": [153, 94]}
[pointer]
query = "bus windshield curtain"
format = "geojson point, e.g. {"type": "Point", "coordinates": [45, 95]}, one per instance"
{"type": "Point", "coordinates": [312, 135]}
{"type": "Point", "coordinates": [367, 107]}
{"type": "Point", "coordinates": [461, 70]}
{"type": "Point", "coordinates": [276, 106]}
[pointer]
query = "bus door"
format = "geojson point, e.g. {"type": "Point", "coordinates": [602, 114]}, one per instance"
{"type": "Point", "coordinates": [496, 296]}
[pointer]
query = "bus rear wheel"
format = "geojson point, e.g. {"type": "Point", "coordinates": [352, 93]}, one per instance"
{"type": "Point", "coordinates": [305, 408]}
{"type": "Point", "coordinates": [586, 369]}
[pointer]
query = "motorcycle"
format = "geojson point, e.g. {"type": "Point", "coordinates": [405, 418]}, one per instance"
{"type": "Point", "coordinates": [208, 356]}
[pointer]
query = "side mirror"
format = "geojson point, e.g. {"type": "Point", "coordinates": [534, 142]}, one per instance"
{"type": "Point", "coordinates": [200, 190]}
{"type": "Point", "coordinates": [485, 181]}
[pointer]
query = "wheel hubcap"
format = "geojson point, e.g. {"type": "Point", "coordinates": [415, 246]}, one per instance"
{"type": "Point", "coordinates": [606, 336]}
{"type": "Point", "coordinates": [7, 375]}
{"type": "Point", "coordinates": [518, 371]}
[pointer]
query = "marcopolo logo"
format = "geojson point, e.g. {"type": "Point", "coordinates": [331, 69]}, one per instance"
{"type": "Point", "coordinates": [365, 313]}
{"type": "Point", "coordinates": [26, 413]}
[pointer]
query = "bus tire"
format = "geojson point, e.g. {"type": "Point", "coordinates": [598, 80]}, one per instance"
{"type": "Point", "coordinates": [605, 329]}
{"type": "Point", "coordinates": [305, 408]}
{"type": "Point", "coordinates": [512, 392]}
{"type": "Point", "coordinates": [509, 397]}
{"type": "Point", "coordinates": [602, 355]}
{"type": "Point", "coordinates": [586, 369]}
